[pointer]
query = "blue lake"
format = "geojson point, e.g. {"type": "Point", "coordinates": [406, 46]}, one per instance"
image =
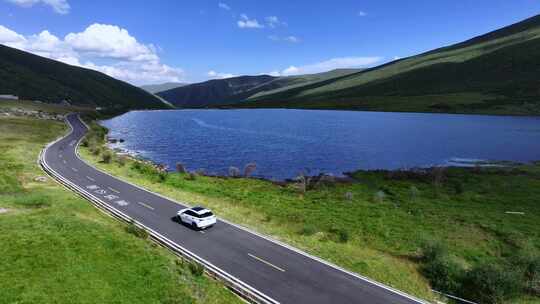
{"type": "Point", "coordinates": [284, 143]}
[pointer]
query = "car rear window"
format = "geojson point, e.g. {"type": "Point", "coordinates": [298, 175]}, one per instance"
{"type": "Point", "coordinates": [206, 214]}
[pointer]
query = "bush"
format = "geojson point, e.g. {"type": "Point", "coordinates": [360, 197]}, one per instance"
{"type": "Point", "coordinates": [180, 168]}
{"type": "Point", "coordinates": [32, 201]}
{"type": "Point", "coordinates": [308, 230]}
{"type": "Point", "coordinates": [191, 176]}
{"type": "Point", "coordinates": [196, 269]}
{"type": "Point", "coordinates": [121, 161]}
{"type": "Point", "coordinates": [95, 151]}
{"type": "Point", "coordinates": [249, 169]}
{"type": "Point", "coordinates": [341, 235]}
{"type": "Point", "coordinates": [106, 157]}
{"type": "Point", "coordinates": [444, 274]}
{"type": "Point", "coordinates": [234, 172]}
{"type": "Point", "coordinates": [136, 231]}
{"type": "Point", "coordinates": [490, 283]}
{"type": "Point", "coordinates": [379, 196]}
{"type": "Point", "coordinates": [528, 263]}
{"type": "Point", "coordinates": [432, 250]}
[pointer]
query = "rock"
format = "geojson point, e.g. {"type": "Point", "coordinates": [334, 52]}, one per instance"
{"type": "Point", "coordinates": [40, 179]}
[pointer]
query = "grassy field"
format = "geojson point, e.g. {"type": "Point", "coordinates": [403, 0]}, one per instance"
{"type": "Point", "coordinates": [384, 224]}
{"type": "Point", "coordinates": [56, 248]}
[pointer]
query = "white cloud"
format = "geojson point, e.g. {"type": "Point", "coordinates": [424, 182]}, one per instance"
{"type": "Point", "coordinates": [126, 58]}
{"type": "Point", "coordinates": [291, 39]}
{"type": "Point", "coordinates": [216, 75]}
{"type": "Point", "coordinates": [224, 6]}
{"type": "Point", "coordinates": [362, 14]}
{"type": "Point", "coordinates": [59, 6]}
{"type": "Point", "coordinates": [110, 41]}
{"type": "Point", "coordinates": [273, 22]}
{"type": "Point", "coordinates": [9, 36]}
{"type": "Point", "coordinates": [245, 22]}
{"type": "Point", "coordinates": [331, 64]}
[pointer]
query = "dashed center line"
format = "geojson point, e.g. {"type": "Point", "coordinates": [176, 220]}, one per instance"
{"type": "Point", "coordinates": [65, 162]}
{"type": "Point", "coordinates": [74, 169]}
{"type": "Point", "coordinates": [113, 190]}
{"type": "Point", "coordinates": [266, 262]}
{"type": "Point", "coordinates": [146, 205]}
{"type": "Point", "coordinates": [91, 178]}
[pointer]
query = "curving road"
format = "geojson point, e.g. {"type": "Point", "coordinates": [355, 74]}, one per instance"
{"type": "Point", "coordinates": [281, 273]}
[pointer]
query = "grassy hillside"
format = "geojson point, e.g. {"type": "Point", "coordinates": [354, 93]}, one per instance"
{"type": "Point", "coordinates": [493, 73]}
{"type": "Point", "coordinates": [212, 92]}
{"type": "Point", "coordinates": [156, 88]}
{"type": "Point", "coordinates": [470, 232]}
{"type": "Point", "coordinates": [36, 78]}
{"type": "Point", "coordinates": [56, 248]}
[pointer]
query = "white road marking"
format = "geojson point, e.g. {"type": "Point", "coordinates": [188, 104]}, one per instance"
{"type": "Point", "coordinates": [65, 162]}
{"type": "Point", "coordinates": [266, 262]}
{"type": "Point", "coordinates": [60, 155]}
{"type": "Point", "coordinates": [145, 205]}
{"type": "Point", "coordinates": [74, 169]}
{"type": "Point", "coordinates": [90, 178]}
{"type": "Point", "coordinates": [122, 203]}
{"type": "Point", "coordinates": [114, 190]}
{"type": "Point", "coordinates": [92, 187]}
{"type": "Point", "coordinates": [111, 197]}
{"type": "Point", "coordinates": [100, 191]}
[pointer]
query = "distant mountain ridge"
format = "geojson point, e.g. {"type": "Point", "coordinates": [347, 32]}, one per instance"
{"type": "Point", "coordinates": [238, 89]}
{"type": "Point", "coordinates": [156, 88]}
{"type": "Point", "coordinates": [37, 78]}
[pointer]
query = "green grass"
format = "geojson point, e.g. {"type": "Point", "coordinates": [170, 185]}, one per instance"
{"type": "Point", "coordinates": [56, 248]}
{"type": "Point", "coordinates": [379, 239]}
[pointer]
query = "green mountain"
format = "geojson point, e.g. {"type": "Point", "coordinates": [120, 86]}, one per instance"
{"type": "Point", "coordinates": [37, 78]}
{"type": "Point", "coordinates": [156, 88]}
{"type": "Point", "coordinates": [238, 89]}
{"type": "Point", "coordinates": [213, 92]}
{"type": "Point", "coordinates": [493, 73]}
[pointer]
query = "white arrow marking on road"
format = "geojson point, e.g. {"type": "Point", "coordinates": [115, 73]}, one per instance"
{"type": "Point", "coordinates": [266, 262]}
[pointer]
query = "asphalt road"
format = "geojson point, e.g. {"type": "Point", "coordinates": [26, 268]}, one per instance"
{"type": "Point", "coordinates": [283, 274]}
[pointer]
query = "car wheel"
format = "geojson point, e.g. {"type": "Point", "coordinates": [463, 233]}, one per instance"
{"type": "Point", "coordinates": [194, 226]}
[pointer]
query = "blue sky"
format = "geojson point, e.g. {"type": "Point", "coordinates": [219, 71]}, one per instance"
{"type": "Point", "coordinates": [157, 41]}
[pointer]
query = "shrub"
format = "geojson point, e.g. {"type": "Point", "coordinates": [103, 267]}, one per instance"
{"type": "Point", "coordinates": [234, 172]}
{"type": "Point", "coordinates": [162, 176]}
{"type": "Point", "coordinates": [196, 269]}
{"type": "Point", "coordinates": [432, 250]}
{"type": "Point", "coordinates": [249, 169]}
{"type": "Point", "coordinates": [379, 196]}
{"type": "Point", "coordinates": [414, 193]}
{"type": "Point", "coordinates": [341, 235]}
{"type": "Point", "coordinates": [180, 168]}
{"type": "Point", "coordinates": [136, 231]}
{"type": "Point", "coordinates": [85, 143]}
{"type": "Point", "coordinates": [95, 151]}
{"type": "Point", "coordinates": [444, 274]}
{"type": "Point", "coordinates": [489, 283]}
{"type": "Point", "coordinates": [191, 176]}
{"type": "Point", "coordinates": [308, 230]}
{"type": "Point", "coordinates": [528, 263]}
{"type": "Point", "coordinates": [106, 157]}
{"type": "Point", "coordinates": [32, 201]}
{"type": "Point", "coordinates": [121, 161]}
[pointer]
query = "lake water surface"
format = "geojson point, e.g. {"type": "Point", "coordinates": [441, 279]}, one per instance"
{"type": "Point", "coordinates": [284, 143]}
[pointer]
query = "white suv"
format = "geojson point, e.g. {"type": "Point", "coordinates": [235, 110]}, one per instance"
{"type": "Point", "coordinates": [197, 217]}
